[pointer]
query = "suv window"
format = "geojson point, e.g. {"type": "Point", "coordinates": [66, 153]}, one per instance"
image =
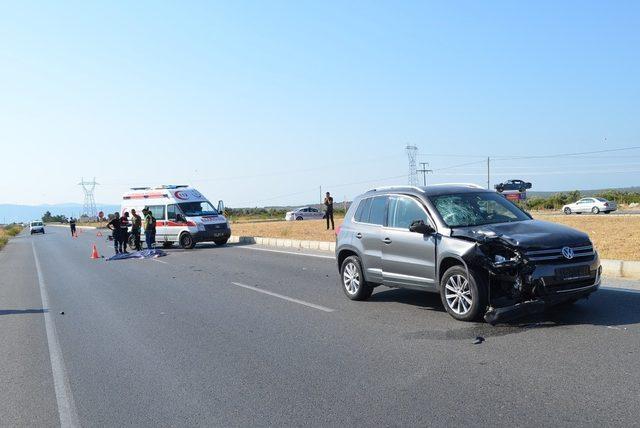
{"type": "Point", "coordinates": [362, 213]}
{"type": "Point", "coordinates": [403, 211]}
{"type": "Point", "coordinates": [378, 213]}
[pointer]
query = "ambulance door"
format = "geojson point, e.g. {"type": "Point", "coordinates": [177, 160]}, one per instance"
{"type": "Point", "coordinates": [159, 212]}
{"type": "Point", "coordinates": [174, 224]}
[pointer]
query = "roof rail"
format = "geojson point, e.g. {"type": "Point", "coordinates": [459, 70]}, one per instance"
{"type": "Point", "coordinates": [472, 185]}
{"type": "Point", "coordinates": [382, 188]}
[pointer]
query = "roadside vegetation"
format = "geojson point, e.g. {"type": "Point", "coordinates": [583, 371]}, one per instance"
{"type": "Point", "coordinates": [8, 232]}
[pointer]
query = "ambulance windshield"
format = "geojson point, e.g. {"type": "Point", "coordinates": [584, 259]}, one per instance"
{"type": "Point", "coordinates": [195, 209]}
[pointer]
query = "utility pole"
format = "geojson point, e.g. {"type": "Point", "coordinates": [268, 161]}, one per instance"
{"type": "Point", "coordinates": [488, 173]}
{"type": "Point", "coordinates": [424, 171]}
{"type": "Point", "coordinates": [321, 194]}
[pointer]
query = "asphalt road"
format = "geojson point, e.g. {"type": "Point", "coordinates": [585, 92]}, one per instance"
{"type": "Point", "coordinates": [239, 336]}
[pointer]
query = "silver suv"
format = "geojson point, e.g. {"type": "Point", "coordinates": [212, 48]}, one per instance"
{"type": "Point", "coordinates": [479, 251]}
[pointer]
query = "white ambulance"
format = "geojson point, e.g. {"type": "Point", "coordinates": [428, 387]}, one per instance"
{"type": "Point", "coordinates": [182, 214]}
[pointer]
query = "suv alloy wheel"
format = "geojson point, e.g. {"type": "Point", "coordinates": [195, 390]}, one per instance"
{"type": "Point", "coordinates": [353, 283]}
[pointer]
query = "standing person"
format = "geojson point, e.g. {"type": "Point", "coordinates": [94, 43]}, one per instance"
{"type": "Point", "coordinates": [136, 226]}
{"type": "Point", "coordinates": [114, 226]}
{"type": "Point", "coordinates": [328, 203]}
{"type": "Point", "coordinates": [72, 225]}
{"type": "Point", "coordinates": [124, 232]}
{"type": "Point", "coordinates": [149, 228]}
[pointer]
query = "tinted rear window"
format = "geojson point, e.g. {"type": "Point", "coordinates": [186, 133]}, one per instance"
{"type": "Point", "coordinates": [378, 212]}
{"type": "Point", "coordinates": [362, 213]}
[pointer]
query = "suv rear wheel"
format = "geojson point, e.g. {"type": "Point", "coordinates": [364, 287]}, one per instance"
{"type": "Point", "coordinates": [353, 283]}
{"type": "Point", "coordinates": [463, 296]}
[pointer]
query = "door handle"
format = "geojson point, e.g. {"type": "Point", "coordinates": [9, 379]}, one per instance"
{"type": "Point", "coordinates": [386, 241]}
{"type": "Point", "coordinates": [359, 235]}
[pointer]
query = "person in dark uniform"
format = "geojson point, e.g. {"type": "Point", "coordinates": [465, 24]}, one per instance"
{"type": "Point", "coordinates": [136, 227]}
{"type": "Point", "coordinates": [72, 225]}
{"type": "Point", "coordinates": [124, 232]}
{"type": "Point", "coordinates": [114, 226]}
{"type": "Point", "coordinates": [328, 203]}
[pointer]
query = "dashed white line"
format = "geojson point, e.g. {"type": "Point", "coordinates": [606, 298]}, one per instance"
{"type": "Point", "coordinates": [66, 406]}
{"type": "Point", "coordinates": [160, 261]}
{"type": "Point", "coordinates": [319, 256]}
{"type": "Point", "coordinates": [287, 298]}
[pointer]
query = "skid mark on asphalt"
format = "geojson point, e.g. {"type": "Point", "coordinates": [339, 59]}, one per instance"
{"type": "Point", "coordinates": [283, 297]}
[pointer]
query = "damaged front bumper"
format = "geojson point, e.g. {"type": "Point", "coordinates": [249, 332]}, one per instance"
{"type": "Point", "coordinates": [521, 284]}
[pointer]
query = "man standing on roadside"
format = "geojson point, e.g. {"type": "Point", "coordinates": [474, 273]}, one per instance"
{"type": "Point", "coordinates": [114, 226]}
{"type": "Point", "coordinates": [72, 225]}
{"type": "Point", "coordinates": [149, 228]}
{"type": "Point", "coordinates": [136, 226]}
{"type": "Point", "coordinates": [328, 203]}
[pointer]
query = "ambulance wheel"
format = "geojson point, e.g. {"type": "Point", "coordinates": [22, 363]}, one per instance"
{"type": "Point", "coordinates": [221, 241]}
{"type": "Point", "coordinates": [186, 241]}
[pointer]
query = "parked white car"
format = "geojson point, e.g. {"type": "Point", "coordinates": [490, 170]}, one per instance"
{"type": "Point", "coordinates": [590, 205]}
{"type": "Point", "coordinates": [304, 213]}
{"type": "Point", "coordinates": [36, 227]}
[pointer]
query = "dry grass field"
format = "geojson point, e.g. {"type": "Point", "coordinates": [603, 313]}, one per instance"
{"type": "Point", "coordinates": [615, 236]}
{"type": "Point", "coordinates": [8, 232]}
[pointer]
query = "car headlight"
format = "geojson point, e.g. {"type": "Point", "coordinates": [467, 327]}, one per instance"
{"type": "Point", "coordinates": [499, 259]}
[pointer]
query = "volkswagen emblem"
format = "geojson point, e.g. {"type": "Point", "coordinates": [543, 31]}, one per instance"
{"type": "Point", "coordinates": [567, 252]}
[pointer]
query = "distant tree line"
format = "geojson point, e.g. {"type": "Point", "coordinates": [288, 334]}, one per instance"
{"type": "Point", "coordinates": [48, 218]}
{"type": "Point", "coordinates": [559, 199]}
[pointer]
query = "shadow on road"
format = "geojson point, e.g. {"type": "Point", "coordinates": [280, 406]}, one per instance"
{"type": "Point", "coordinates": [22, 311]}
{"type": "Point", "coordinates": [605, 308]}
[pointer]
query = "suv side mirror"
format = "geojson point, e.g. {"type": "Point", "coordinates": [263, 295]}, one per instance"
{"type": "Point", "coordinates": [420, 226]}
{"type": "Point", "coordinates": [221, 207]}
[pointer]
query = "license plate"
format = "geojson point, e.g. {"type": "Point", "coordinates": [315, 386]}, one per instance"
{"type": "Point", "coordinates": [217, 235]}
{"type": "Point", "coordinates": [573, 272]}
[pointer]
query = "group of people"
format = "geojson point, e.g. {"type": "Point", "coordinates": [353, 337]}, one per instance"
{"type": "Point", "coordinates": [120, 227]}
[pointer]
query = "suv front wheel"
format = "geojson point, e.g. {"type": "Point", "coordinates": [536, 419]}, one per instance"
{"type": "Point", "coordinates": [463, 296]}
{"type": "Point", "coordinates": [352, 279]}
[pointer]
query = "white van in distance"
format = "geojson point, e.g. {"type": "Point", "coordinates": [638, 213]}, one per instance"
{"type": "Point", "coordinates": [182, 214]}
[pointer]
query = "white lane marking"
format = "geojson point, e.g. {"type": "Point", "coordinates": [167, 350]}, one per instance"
{"type": "Point", "coordinates": [288, 252]}
{"type": "Point", "coordinates": [160, 261]}
{"type": "Point", "coordinates": [280, 296]}
{"type": "Point", "coordinates": [66, 406]}
{"type": "Point", "coordinates": [620, 289]}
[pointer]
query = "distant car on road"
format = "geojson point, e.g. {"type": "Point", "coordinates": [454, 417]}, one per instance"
{"type": "Point", "coordinates": [518, 185]}
{"type": "Point", "coordinates": [36, 227]}
{"type": "Point", "coordinates": [592, 205]}
{"type": "Point", "coordinates": [304, 213]}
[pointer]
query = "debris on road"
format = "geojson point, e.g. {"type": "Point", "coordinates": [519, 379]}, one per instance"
{"type": "Point", "coordinates": [478, 340]}
{"type": "Point", "coordinates": [143, 254]}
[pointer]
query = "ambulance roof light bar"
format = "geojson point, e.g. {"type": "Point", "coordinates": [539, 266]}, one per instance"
{"type": "Point", "coordinates": [172, 186]}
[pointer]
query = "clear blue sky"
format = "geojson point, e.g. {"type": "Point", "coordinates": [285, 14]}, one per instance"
{"type": "Point", "coordinates": [251, 101]}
